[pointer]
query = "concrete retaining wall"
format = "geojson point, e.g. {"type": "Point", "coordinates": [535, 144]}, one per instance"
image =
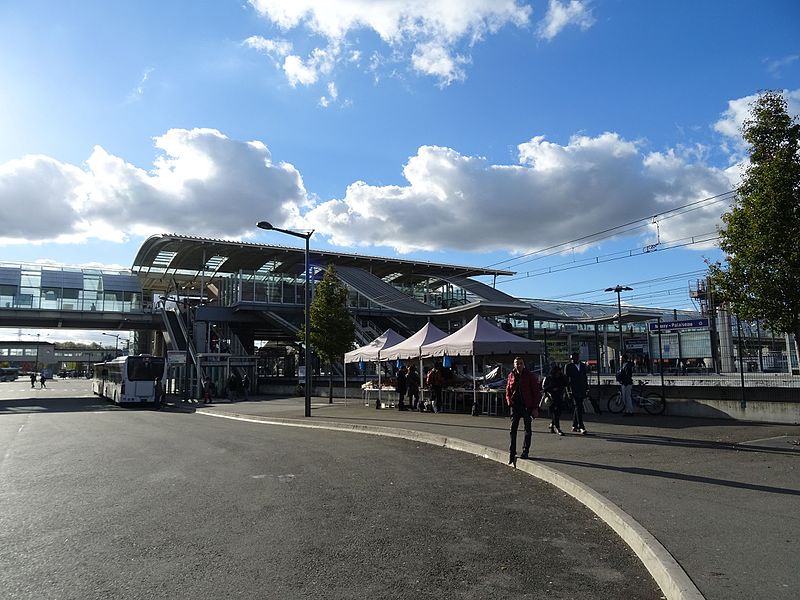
{"type": "Point", "coordinates": [764, 405]}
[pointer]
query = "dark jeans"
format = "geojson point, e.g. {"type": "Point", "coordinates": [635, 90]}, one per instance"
{"type": "Point", "coordinates": [555, 415]}
{"type": "Point", "coordinates": [436, 398]}
{"type": "Point", "coordinates": [413, 397]}
{"type": "Point", "coordinates": [577, 414]}
{"type": "Point", "coordinates": [518, 413]}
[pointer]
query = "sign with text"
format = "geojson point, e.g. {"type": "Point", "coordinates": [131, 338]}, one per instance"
{"type": "Point", "coordinates": [176, 357]}
{"type": "Point", "coordinates": [685, 324]}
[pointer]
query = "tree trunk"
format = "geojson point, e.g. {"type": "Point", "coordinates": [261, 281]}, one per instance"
{"type": "Point", "coordinates": [330, 382]}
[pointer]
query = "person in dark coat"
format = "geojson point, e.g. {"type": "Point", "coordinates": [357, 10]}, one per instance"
{"type": "Point", "coordinates": [555, 384]}
{"type": "Point", "coordinates": [626, 385]}
{"type": "Point", "coordinates": [578, 385]}
{"type": "Point", "coordinates": [233, 387]}
{"type": "Point", "coordinates": [435, 381]}
{"type": "Point", "coordinates": [412, 386]}
{"type": "Point", "coordinates": [401, 388]}
{"type": "Point", "coordinates": [522, 397]}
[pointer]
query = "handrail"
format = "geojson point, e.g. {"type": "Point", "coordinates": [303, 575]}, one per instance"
{"type": "Point", "coordinates": [190, 347]}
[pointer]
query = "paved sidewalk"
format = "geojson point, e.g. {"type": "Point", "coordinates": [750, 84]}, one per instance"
{"type": "Point", "coordinates": [720, 495]}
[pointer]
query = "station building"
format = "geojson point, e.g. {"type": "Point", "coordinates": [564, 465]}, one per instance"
{"type": "Point", "coordinates": [215, 306]}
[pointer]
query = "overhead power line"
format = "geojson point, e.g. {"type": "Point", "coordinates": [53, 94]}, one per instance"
{"type": "Point", "coordinates": [622, 228]}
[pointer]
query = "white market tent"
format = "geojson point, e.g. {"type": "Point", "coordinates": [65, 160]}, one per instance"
{"type": "Point", "coordinates": [412, 347]}
{"type": "Point", "coordinates": [481, 338]}
{"type": "Point", "coordinates": [372, 352]}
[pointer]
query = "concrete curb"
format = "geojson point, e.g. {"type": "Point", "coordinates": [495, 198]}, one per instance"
{"type": "Point", "coordinates": [668, 574]}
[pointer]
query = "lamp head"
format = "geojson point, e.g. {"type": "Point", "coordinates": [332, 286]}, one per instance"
{"type": "Point", "coordinates": [264, 225]}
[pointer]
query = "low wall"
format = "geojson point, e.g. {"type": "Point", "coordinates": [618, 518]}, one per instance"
{"type": "Point", "coordinates": [761, 400]}
{"type": "Point", "coordinates": [762, 403]}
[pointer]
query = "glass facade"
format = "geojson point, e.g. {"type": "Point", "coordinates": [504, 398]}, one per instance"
{"type": "Point", "coordinates": [68, 289]}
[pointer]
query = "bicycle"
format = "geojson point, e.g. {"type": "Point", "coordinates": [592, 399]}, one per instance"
{"type": "Point", "coordinates": [652, 402]}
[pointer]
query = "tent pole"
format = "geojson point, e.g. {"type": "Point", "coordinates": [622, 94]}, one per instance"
{"type": "Point", "coordinates": [474, 382]}
{"type": "Point", "coordinates": [344, 364]}
{"type": "Point", "coordinates": [421, 382]}
{"type": "Point", "coordinates": [380, 402]}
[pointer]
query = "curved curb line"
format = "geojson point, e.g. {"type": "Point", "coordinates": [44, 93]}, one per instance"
{"type": "Point", "coordinates": [666, 571]}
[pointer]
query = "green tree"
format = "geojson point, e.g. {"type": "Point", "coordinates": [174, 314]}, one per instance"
{"type": "Point", "coordinates": [332, 328]}
{"type": "Point", "coordinates": [761, 233]}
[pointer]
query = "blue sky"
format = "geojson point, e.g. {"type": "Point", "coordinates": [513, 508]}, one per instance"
{"type": "Point", "coordinates": [466, 131]}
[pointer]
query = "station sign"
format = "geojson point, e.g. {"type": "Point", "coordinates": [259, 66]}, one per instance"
{"type": "Point", "coordinates": [685, 324]}
{"type": "Point", "coordinates": [176, 357]}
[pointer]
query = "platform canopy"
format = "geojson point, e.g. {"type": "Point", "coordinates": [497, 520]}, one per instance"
{"type": "Point", "coordinates": [481, 338]}
{"type": "Point", "coordinates": [373, 350]}
{"type": "Point", "coordinates": [412, 347]}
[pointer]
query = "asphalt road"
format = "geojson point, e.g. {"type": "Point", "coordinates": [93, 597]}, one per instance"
{"type": "Point", "coordinates": [101, 502]}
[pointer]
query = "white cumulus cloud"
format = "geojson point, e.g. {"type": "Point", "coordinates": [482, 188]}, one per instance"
{"type": "Point", "coordinates": [453, 201]}
{"type": "Point", "coordinates": [202, 183]}
{"type": "Point", "coordinates": [40, 199]}
{"type": "Point", "coordinates": [730, 123]}
{"type": "Point", "coordinates": [433, 30]}
{"type": "Point", "coordinates": [561, 14]}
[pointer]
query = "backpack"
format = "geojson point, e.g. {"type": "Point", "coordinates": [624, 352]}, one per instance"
{"type": "Point", "coordinates": [621, 375]}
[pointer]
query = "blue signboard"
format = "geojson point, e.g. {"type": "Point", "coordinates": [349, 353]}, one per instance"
{"type": "Point", "coordinates": [685, 324]}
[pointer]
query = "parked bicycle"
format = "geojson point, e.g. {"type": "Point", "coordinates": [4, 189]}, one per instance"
{"type": "Point", "coordinates": [652, 402]}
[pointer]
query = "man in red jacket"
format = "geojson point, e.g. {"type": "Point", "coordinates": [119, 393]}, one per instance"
{"type": "Point", "coordinates": [522, 396]}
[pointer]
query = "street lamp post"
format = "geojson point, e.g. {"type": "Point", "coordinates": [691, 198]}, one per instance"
{"type": "Point", "coordinates": [619, 289]}
{"type": "Point", "coordinates": [116, 341]}
{"type": "Point", "coordinates": [36, 368]}
{"type": "Point", "coordinates": [306, 236]}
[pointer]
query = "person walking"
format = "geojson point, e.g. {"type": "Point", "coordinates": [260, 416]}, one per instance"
{"type": "Point", "coordinates": [412, 387]}
{"type": "Point", "coordinates": [42, 381]}
{"type": "Point", "coordinates": [436, 382]}
{"type": "Point", "coordinates": [522, 394]}
{"type": "Point", "coordinates": [401, 387]}
{"type": "Point", "coordinates": [158, 392]}
{"type": "Point", "coordinates": [245, 387]}
{"type": "Point", "coordinates": [206, 390]}
{"type": "Point", "coordinates": [625, 378]}
{"type": "Point", "coordinates": [578, 386]}
{"type": "Point", "coordinates": [33, 379]}
{"type": "Point", "coordinates": [555, 384]}
{"type": "Point", "coordinates": [233, 387]}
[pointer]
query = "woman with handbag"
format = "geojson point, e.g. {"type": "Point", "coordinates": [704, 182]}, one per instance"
{"type": "Point", "coordinates": [554, 385]}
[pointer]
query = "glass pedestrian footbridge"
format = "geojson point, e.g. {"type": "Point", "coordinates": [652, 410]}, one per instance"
{"type": "Point", "coordinates": [61, 288]}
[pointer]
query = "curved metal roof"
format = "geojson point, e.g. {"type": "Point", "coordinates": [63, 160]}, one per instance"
{"type": "Point", "coordinates": [165, 256]}
{"type": "Point", "coordinates": [585, 312]}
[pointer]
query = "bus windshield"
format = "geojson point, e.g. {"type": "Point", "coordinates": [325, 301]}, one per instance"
{"type": "Point", "coordinates": [145, 368]}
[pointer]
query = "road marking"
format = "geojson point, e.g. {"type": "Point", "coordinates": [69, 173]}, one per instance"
{"type": "Point", "coordinates": [21, 427]}
{"type": "Point", "coordinates": [769, 439]}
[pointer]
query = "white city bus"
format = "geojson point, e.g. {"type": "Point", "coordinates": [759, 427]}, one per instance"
{"type": "Point", "coordinates": [129, 379]}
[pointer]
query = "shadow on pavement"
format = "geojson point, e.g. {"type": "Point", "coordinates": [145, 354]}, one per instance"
{"type": "Point", "coordinates": [51, 405]}
{"type": "Point", "coordinates": [623, 438]}
{"type": "Point", "coordinates": [673, 475]}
